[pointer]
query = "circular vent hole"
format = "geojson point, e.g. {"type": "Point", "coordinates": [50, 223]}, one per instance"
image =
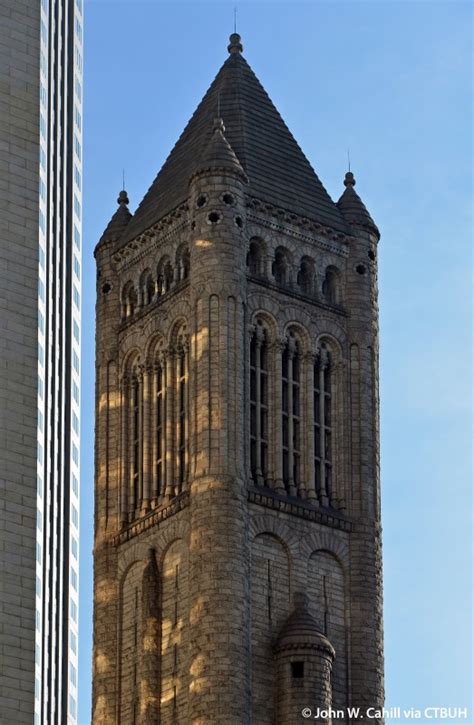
{"type": "Point", "coordinates": [214, 217]}
{"type": "Point", "coordinates": [361, 269]}
{"type": "Point", "coordinates": [201, 201]}
{"type": "Point", "coordinates": [106, 288]}
{"type": "Point", "coordinates": [239, 222]}
{"type": "Point", "coordinates": [228, 199]}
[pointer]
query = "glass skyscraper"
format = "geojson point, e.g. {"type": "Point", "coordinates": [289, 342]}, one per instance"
{"type": "Point", "coordinates": [41, 44]}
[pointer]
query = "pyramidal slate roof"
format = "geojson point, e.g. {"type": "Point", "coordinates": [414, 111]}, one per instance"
{"type": "Point", "coordinates": [278, 172]}
{"type": "Point", "coordinates": [353, 208]}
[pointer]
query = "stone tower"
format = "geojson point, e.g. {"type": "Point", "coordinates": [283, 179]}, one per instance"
{"type": "Point", "coordinates": [237, 513]}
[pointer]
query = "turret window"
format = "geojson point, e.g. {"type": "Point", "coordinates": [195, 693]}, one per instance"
{"type": "Point", "coordinates": [297, 670]}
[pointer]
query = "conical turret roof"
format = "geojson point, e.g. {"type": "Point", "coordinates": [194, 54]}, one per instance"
{"type": "Point", "coordinates": [353, 209]}
{"type": "Point", "coordinates": [277, 170]}
{"type": "Point", "coordinates": [301, 631]}
{"type": "Point", "coordinates": [218, 154]}
{"type": "Point", "coordinates": [119, 220]}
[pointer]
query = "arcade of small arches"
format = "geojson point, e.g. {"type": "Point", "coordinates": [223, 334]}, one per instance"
{"type": "Point", "coordinates": [300, 276]}
{"type": "Point", "coordinates": [280, 268]}
{"type": "Point", "coordinates": [154, 284]}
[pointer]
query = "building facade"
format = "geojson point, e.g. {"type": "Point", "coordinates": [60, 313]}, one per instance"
{"type": "Point", "coordinates": [237, 508]}
{"type": "Point", "coordinates": [40, 283]}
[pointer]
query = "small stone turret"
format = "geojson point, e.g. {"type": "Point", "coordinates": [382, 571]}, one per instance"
{"type": "Point", "coordinates": [363, 345]}
{"type": "Point", "coordinates": [218, 492]}
{"type": "Point", "coordinates": [304, 659]}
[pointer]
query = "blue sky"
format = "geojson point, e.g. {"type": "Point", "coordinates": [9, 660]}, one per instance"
{"type": "Point", "coordinates": [391, 81]}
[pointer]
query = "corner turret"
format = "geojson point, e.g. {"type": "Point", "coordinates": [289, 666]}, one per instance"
{"type": "Point", "coordinates": [304, 664]}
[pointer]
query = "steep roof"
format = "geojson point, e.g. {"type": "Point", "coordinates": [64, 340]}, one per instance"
{"type": "Point", "coordinates": [301, 630]}
{"type": "Point", "coordinates": [218, 154]}
{"type": "Point", "coordinates": [277, 169]}
{"type": "Point", "coordinates": [119, 220]}
{"type": "Point", "coordinates": [353, 208]}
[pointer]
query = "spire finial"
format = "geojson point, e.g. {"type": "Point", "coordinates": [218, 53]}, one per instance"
{"type": "Point", "coordinates": [235, 46]}
{"type": "Point", "coordinates": [123, 198]}
{"type": "Point", "coordinates": [349, 179]}
{"type": "Point", "coordinates": [218, 124]}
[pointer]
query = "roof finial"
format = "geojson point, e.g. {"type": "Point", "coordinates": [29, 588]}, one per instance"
{"type": "Point", "coordinates": [349, 159]}
{"type": "Point", "coordinates": [235, 46]}
{"type": "Point", "coordinates": [235, 19]}
{"type": "Point", "coordinates": [218, 125]}
{"type": "Point", "coordinates": [123, 198]}
{"type": "Point", "coordinates": [349, 179]}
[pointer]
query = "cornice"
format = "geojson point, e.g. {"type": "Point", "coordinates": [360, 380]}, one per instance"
{"type": "Point", "coordinates": [147, 241]}
{"type": "Point", "coordinates": [333, 519]}
{"type": "Point", "coordinates": [299, 227]}
{"type": "Point", "coordinates": [152, 519]}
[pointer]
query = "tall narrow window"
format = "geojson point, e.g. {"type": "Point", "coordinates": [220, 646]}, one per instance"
{"type": "Point", "coordinates": [135, 442]}
{"type": "Point", "coordinates": [181, 381]}
{"type": "Point", "coordinates": [322, 427]}
{"type": "Point", "coordinates": [259, 405]}
{"type": "Point", "coordinates": [159, 430]}
{"type": "Point", "coordinates": [291, 411]}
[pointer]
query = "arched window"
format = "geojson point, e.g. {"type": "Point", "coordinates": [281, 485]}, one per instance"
{"type": "Point", "coordinates": [306, 276]}
{"type": "Point", "coordinates": [129, 300]}
{"type": "Point", "coordinates": [165, 276]}
{"type": "Point", "coordinates": [282, 267]}
{"type": "Point", "coordinates": [183, 263]}
{"type": "Point", "coordinates": [255, 259]}
{"type": "Point", "coordinates": [259, 404]}
{"type": "Point", "coordinates": [331, 286]}
{"type": "Point", "coordinates": [322, 402]}
{"type": "Point", "coordinates": [291, 414]}
{"type": "Point", "coordinates": [147, 288]}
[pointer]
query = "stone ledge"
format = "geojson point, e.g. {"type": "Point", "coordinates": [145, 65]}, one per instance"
{"type": "Point", "coordinates": [303, 510]}
{"type": "Point", "coordinates": [152, 519]}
